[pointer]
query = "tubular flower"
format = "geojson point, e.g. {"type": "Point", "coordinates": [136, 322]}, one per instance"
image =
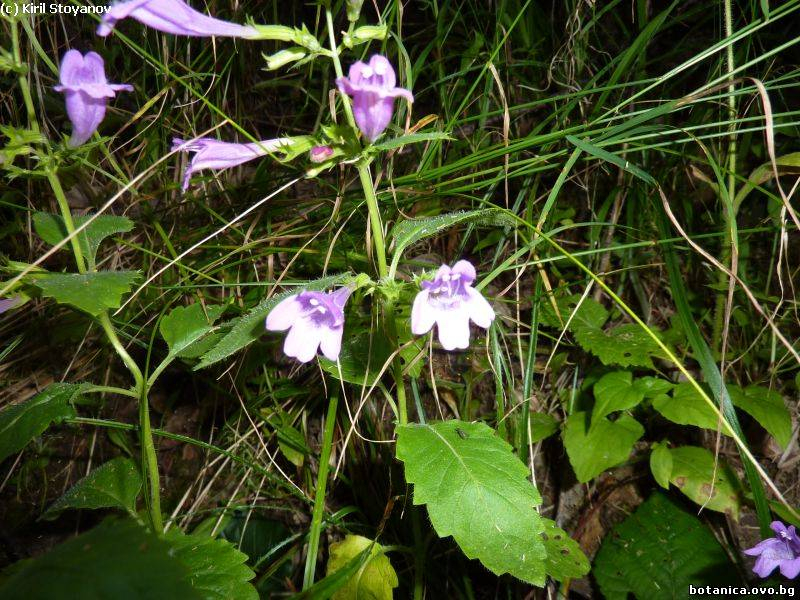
{"type": "Point", "coordinates": [450, 301]}
{"type": "Point", "coordinates": [372, 87]}
{"type": "Point", "coordinates": [782, 551]}
{"type": "Point", "coordinates": [214, 154]}
{"type": "Point", "coordinates": [83, 81]}
{"type": "Point", "coordinates": [171, 16]}
{"type": "Point", "coordinates": [314, 320]}
{"type": "Point", "coordinates": [320, 154]}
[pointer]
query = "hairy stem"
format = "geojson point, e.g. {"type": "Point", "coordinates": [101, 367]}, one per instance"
{"type": "Point", "coordinates": [319, 496]}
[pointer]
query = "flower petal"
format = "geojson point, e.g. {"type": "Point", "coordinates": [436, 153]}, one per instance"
{"type": "Point", "coordinates": [466, 270]}
{"type": "Point", "coordinates": [284, 314]}
{"type": "Point", "coordinates": [331, 342]}
{"type": "Point", "coordinates": [764, 566]}
{"type": "Point", "coordinates": [86, 114]}
{"type": "Point", "coordinates": [453, 326]}
{"type": "Point", "coordinates": [302, 340]}
{"type": "Point", "coordinates": [480, 311]}
{"type": "Point", "coordinates": [423, 315]}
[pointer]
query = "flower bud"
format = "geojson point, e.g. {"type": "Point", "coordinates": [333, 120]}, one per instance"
{"type": "Point", "coordinates": [284, 57]}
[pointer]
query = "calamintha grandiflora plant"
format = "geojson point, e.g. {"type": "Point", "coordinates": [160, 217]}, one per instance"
{"type": "Point", "coordinates": [465, 474]}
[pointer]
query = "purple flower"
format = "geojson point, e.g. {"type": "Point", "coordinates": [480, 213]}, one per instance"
{"type": "Point", "coordinates": [214, 154]}
{"type": "Point", "coordinates": [320, 154]}
{"type": "Point", "coordinates": [782, 551]}
{"type": "Point", "coordinates": [314, 320]}
{"type": "Point", "coordinates": [171, 16]}
{"type": "Point", "coordinates": [9, 303]}
{"type": "Point", "coordinates": [83, 81]}
{"type": "Point", "coordinates": [450, 302]}
{"type": "Point", "coordinates": [372, 87]}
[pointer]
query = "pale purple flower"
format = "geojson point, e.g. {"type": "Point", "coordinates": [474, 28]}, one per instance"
{"type": "Point", "coordinates": [782, 551]}
{"type": "Point", "coordinates": [171, 16]}
{"type": "Point", "coordinates": [214, 154]}
{"type": "Point", "coordinates": [83, 81]}
{"type": "Point", "coordinates": [314, 320]}
{"type": "Point", "coordinates": [9, 303]}
{"type": "Point", "coordinates": [372, 87]}
{"type": "Point", "coordinates": [450, 301]}
{"type": "Point", "coordinates": [320, 154]}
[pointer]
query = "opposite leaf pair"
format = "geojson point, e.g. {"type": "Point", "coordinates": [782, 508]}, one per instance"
{"type": "Point", "coordinates": [315, 320]}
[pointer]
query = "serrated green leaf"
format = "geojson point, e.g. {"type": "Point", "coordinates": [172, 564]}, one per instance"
{"type": "Point", "coordinates": [375, 580]}
{"type": "Point", "coordinates": [246, 329]}
{"type": "Point", "coordinates": [657, 552]}
{"type": "Point", "coordinates": [625, 345]}
{"type": "Point", "coordinates": [90, 292]}
{"type": "Point", "coordinates": [185, 325]}
{"type": "Point", "coordinates": [114, 484]}
{"type": "Point", "coordinates": [565, 559]}
{"type": "Point", "coordinates": [661, 464]}
{"type": "Point", "coordinates": [606, 444]}
{"type": "Point", "coordinates": [117, 559]}
{"type": "Point", "coordinates": [410, 231]}
{"type": "Point", "coordinates": [51, 229]}
{"type": "Point", "coordinates": [217, 568]}
{"type": "Point", "coordinates": [476, 490]}
{"type": "Point", "coordinates": [20, 423]}
{"type": "Point", "coordinates": [613, 392]}
{"type": "Point", "coordinates": [579, 312]}
{"type": "Point", "coordinates": [693, 471]}
{"type": "Point", "coordinates": [767, 407]}
{"type": "Point", "coordinates": [687, 407]}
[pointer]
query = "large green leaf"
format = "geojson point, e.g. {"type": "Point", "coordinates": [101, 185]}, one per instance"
{"type": "Point", "coordinates": [410, 231]}
{"type": "Point", "coordinates": [52, 230]}
{"type": "Point", "coordinates": [711, 485]}
{"type": "Point", "coordinates": [217, 569]}
{"type": "Point", "coordinates": [661, 464]}
{"type": "Point", "coordinates": [687, 407]}
{"type": "Point", "coordinates": [625, 345]}
{"type": "Point", "coordinates": [92, 292]}
{"type": "Point", "coordinates": [565, 559]}
{"type": "Point", "coordinates": [20, 423]}
{"type": "Point", "coordinates": [767, 407]}
{"type": "Point", "coordinates": [185, 325]}
{"type": "Point", "coordinates": [114, 484]}
{"type": "Point", "coordinates": [117, 559]}
{"type": "Point", "coordinates": [373, 581]}
{"type": "Point", "coordinates": [657, 552]}
{"type": "Point", "coordinates": [246, 329]}
{"type": "Point", "coordinates": [606, 444]}
{"type": "Point", "coordinates": [615, 391]}
{"type": "Point", "coordinates": [476, 490]}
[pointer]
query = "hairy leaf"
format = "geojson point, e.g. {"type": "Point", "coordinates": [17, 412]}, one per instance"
{"type": "Point", "coordinates": [90, 292]}
{"type": "Point", "coordinates": [114, 484]}
{"type": "Point", "coordinates": [117, 559]}
{"type": "Point", "coordinates": [476, 490]}
{"type": "Point", "coordinates": [657, 552]}
{"type": "Point", "coordinates": [695, 474]}
{"type": "Point", "coordinates": [625, 345]}
{"type": "Point", "coordinates": [606, 444]}
{"type": "Point", "coordinates": [374, 581]}
{"type": "Point", "coordinates": [565, 559]}
{"type": "Point", "coordinates": [20, 423]}
{"type": "Point", "coordinates": [248, 328]}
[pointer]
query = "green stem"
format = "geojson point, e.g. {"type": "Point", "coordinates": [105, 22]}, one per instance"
{"type": "Point", "coordinates": [319, 496]}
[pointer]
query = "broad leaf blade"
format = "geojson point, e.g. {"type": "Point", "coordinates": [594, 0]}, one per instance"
{"type": "Point", "coordinates": [765, 406]}
{"type": "Point", "coordinates": [661, 465]}
{"type": "Point", "coordinates": [115, 484]}
{"type": "Point", "coordinates": [657, 552]}
{"type": "Point", "coordinates": [92, 292]}
{"type": "Point", "coordinates": [476, 490]}
{"type": "Point", "coordinates": [376, 580]}
{"type": "Point", "coordinates": [248, 328]}
{"type": "Point", "coordinates": [51, 229]}
{"type": "Point", "coordinates": [606, 444]}
{"type": "Point", "coordinates": [613, 392]}
{"type": "Point", "coordinates": [22, 422]}
{"type": "Point", "coordinates": [117, 559]}
{"type": "Point", "coordinates": [217, 568]}
{"type": "Point", "coordinates": [185, 325]}
{"type": "Point", "coordinates": [565, 559]}
{"type": "Point", "coordinates": [711, 485]}
{"type": "Point", "coordinates": [687, 407]}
